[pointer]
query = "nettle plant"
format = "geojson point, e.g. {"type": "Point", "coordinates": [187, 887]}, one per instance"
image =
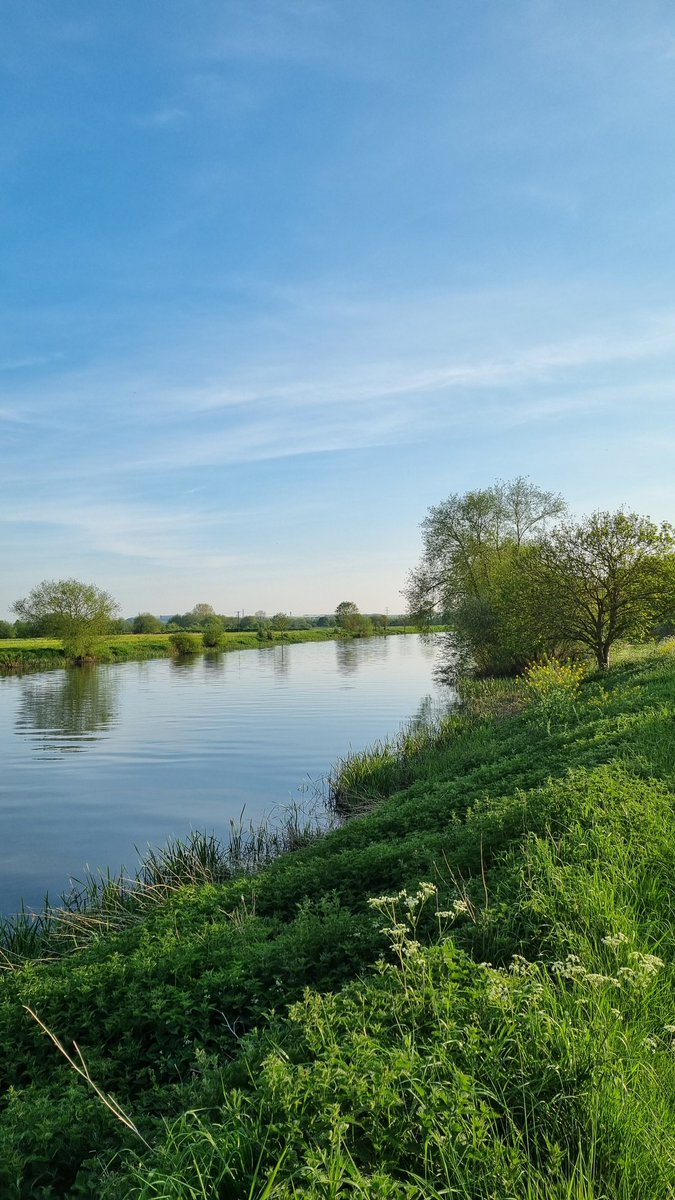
{"type": "Point", "coordinates": [552, 688]}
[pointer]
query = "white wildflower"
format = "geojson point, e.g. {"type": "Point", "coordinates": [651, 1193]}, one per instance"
{"type": "Point", "coordinates": [615, 939]}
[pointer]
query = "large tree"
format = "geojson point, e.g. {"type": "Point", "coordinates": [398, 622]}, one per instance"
{"type": "Point", "coordinates": [76, 612]}
{"type": "Point", "coordinates": [472, 572]}
{"type": "Point", "coordinates": [607, 577]}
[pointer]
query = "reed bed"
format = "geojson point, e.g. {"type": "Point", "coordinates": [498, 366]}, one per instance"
{"type": "Point", "coordinates": [102, 904]}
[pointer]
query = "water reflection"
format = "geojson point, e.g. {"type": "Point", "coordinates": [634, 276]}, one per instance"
{"type": "Point", "coordinates": [431, 708]}
{"type": "Point", "coordinates": [353, 654]}
{"type": "Point", "coordinates": [214, 663]}
{"type": "Point", "coordinates": [185, 663]}
{"type": "Point", "coordinates": [281, 663]}
{"type": "Point", "coordinates": [347, 657]}
{"type": "Point", "coordinates": [376, 649]}
{"type": "Point", "coordinates": [68, 709]}
{"type": "Point", "coordinates": [171, 748]}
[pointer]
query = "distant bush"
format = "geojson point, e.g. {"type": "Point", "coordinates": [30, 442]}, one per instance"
{"type": "Point", "coordinates": [186, 643]}
{"type": "Point", "coordinates": [213, 636]}
{"type": "Point", "coordinates": [146, 622]}
{"type": "Point", "coordinates": [6, 630]}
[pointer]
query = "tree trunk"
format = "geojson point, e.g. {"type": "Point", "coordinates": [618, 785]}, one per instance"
{"type": "Point", "coordinates": [602, 657]}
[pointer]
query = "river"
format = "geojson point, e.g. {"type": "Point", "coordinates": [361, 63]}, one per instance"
{"type": "Point", "coordinates": [100, 762]}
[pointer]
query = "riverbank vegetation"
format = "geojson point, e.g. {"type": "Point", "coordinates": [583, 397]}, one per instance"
{"type": "Point", "coordinates": [67, 623]}
{"type": "Point", "coordinates": [480, 970]}
{"type": "Point", "coordinates": [515, 580]}
{"type": "Point", "coordinates": [40, 654]}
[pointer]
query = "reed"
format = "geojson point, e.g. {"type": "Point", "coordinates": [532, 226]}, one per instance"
{"type": "Point", "coordinates": [107, 903]}
{"type": "Point", "coordinates": [364, 777]}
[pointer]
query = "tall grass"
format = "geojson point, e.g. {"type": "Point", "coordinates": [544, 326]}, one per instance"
{"type": "Point", "coordinates": [365, 776]}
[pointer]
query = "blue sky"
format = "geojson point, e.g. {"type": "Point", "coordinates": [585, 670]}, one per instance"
{"type": "Point", "coordinates": [277, 275]}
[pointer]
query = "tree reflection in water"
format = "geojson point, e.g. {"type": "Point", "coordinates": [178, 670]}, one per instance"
{"type": "Point", "coordinates": [347, 656]}
{"type": "Point", "coordinates": [281, 663]}
{"type": "Point", "coordinates": [68, 709]}
{"type": "Point", "coordinates": [352, 653]}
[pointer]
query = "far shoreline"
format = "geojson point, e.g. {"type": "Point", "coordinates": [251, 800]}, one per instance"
{"type": "Point", "coordinates": [20, 656]}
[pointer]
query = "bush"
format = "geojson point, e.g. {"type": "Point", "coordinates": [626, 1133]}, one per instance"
{"type": "Point", "coordinates": [213, 637]}
{"type": "Point", "coordinates": [186, 643]}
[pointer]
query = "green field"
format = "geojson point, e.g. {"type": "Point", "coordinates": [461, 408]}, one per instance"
{"type": "Point", "coordinates": [505, 1034]}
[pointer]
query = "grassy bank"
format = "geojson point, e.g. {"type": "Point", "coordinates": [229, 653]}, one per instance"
{"type": "Point", "coordinates": [41, 654]}
{"type": "Point", "coordinates": [498, 1024]}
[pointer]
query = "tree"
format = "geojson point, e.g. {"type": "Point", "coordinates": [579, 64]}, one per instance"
{"type": "Point", "coordinates": [146, 623]}
{"type": "Point", "coordinates": [202, 612]}
{"type": "Point", "coordinates": [346, 614]}
{"type": "Point", "coordinates": [350, 620]}
{"type": "Point", "coordinates": [475, 548]}
{"type": "Point", "coordinates": [607, 577]}
{"type": "Point", "coordinates": [281, 622]}
{"type": "Point", "coordinates": [78, 613]}
{"type": "Point", "coordinates": [6, 630]}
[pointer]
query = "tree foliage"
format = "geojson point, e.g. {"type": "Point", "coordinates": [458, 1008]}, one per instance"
{"type": "Point", "coordinates": [76, 612]}
{"type": "Point", "coordinates": [147, 623]}
{"type": "Point", "coordinates": [607, 577]}
{"type": "Point", "coordinates": [202, 612]}
{"type": "Point", "coordinates": [514, 586]}
{"type": "Point", "coordinates": [351, 621]}
{"type": "Point", "coordinates": [476, 547]}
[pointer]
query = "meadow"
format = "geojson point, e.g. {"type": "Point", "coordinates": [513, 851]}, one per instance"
{"type": "Point", "coordinates": [41, 654]}
{"type": "Point", "coordinates": [37, 654]}
{"type": "Point", "coordinates": [466, 990]}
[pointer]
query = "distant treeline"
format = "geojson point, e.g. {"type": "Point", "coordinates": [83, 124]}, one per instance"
{"type": "Point", "coordinates": [202, 618]}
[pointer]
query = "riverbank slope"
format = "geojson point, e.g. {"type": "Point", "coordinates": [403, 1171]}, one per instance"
{"type": "Point", "coordinates": [408, 1066]}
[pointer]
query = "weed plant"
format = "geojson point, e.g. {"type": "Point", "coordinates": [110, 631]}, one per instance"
{"type": "Point", "coordinates": [552, 687]}
{"type": "Point", "coordinates": [503, 1030]}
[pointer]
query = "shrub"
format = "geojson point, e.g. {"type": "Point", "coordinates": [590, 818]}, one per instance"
{"type": "Point", "coordinates": [213, 637]}
{"type": "Point", "coordinates": [186, 643]}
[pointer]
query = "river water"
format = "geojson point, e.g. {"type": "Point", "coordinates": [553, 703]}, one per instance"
{"type": "Point", "coordinates": [100, 762]}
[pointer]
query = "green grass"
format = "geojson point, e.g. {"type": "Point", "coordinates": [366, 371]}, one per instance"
{"type": "Point", "coordinates": [406, 1065]}
{"type": "Point", "coordinates": [36, 654]}
{"type": "Point", "coordinates": [39, 654]}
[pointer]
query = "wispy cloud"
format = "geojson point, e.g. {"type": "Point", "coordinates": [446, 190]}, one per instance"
{"type": "Point", "coordinates": [162, 118]}
{"type": "Point", "coordinates": [27, 361]}
{"type": "Point", "coordinates": [133, 531]}
{"type": "Point", "coordinates": [289, 409]}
